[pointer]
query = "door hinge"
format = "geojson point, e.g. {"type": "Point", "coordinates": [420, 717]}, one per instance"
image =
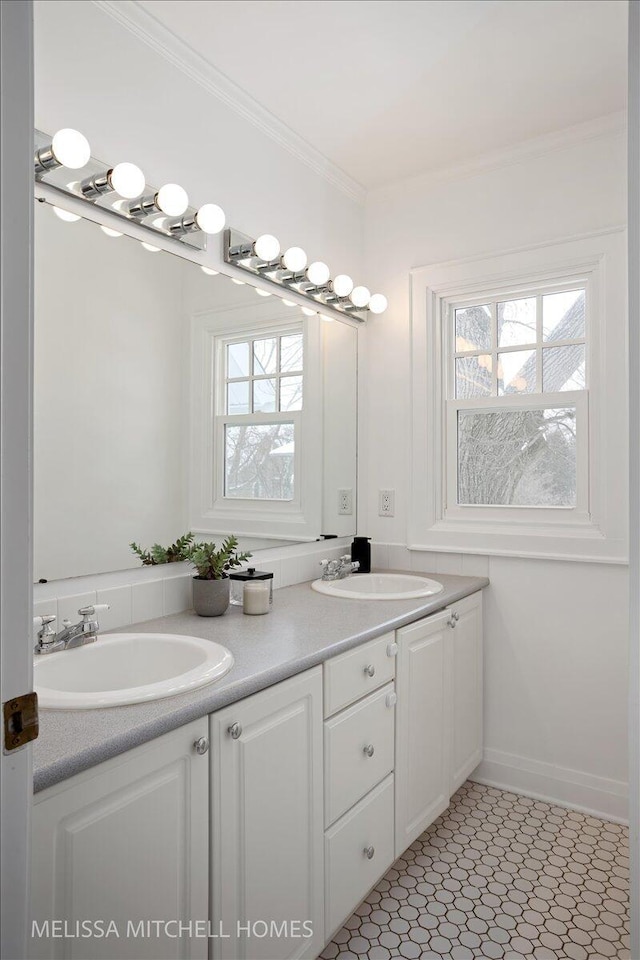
{"type": "Point", "coordinates": [20, 721]}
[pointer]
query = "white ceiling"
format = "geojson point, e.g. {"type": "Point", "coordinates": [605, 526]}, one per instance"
{"type": "Point", "coordinates": [388, 89]}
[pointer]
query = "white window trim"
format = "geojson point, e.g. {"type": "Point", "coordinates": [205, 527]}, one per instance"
{"type": "Point", "coordinates": [210, 511]}
{"type": "Point", "coordinates": [596, 534]}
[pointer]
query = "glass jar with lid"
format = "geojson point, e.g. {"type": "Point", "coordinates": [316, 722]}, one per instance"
{"type": "Point", "coordinates": [238, 581]}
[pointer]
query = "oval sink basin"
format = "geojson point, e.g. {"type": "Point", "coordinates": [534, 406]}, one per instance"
{"type": "Point", "coordinates": [127, 668]}
{"type": "Point", "coordinates": [379, 586]}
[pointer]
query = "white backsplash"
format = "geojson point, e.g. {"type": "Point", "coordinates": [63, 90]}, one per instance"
{"type": "Point", "coordinates": [144, 594]}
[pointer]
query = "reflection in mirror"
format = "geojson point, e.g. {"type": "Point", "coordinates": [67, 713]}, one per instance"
{"type": "Point", "coordinates": [168, 399]}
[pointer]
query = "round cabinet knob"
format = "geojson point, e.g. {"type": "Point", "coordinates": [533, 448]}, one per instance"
{"type": "Point", "coordinates": [369, 750]}
{"type": "Point", "coordinates": [451, 622]}
{"type": "Point", "coordinates": [235, 731]}
{"type": "Point", "coordinates": [455, 615]}
{"type": "Point", "coordinates": [370, 670]}
{"type": "Point", "coordinates": [391, 699]}
{"type": "Point", "coordinates": [201, 746]}
{"type": "Point", "coordinates": [392, 649]}
{"type": "Point", "coordinates": [369, 852]}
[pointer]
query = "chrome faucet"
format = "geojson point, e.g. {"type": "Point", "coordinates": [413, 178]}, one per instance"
{"type": "Point", "coordinates": [72, 635]}
{"type": "Point", "coordinates": [339, 569]}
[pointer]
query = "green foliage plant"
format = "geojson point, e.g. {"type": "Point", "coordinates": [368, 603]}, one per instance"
{"type": "Point", "coordinates": [180, 550]}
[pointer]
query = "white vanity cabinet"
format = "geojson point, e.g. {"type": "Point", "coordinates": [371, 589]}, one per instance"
{"type": "Point", "coordinates": [466, 696]}
{"type": "Point", "coordinates": [125, 841]}
{"type": "Point", "coordinates": [267, 823]}
{"type": "Point", "coordinates": [439, 713]}
{"type": "Point", "coordinates": [310, 790]}
{"type": "Point", "coordinates": [359, 759]}
{"type": "Point", "coordinates": [422, 726]}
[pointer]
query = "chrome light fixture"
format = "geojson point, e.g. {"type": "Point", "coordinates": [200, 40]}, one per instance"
{"type": "Point", "coordinates": [67, 148]}
{"type": "Point", "coordinates": [292, 271]}
{"type": "Point", "coordinates": [125, 179]}
{"type": "Point", "coordinates": [121, 189]}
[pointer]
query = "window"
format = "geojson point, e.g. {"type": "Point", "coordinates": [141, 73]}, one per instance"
{"type": "Point", "coordinates": [516, 393]}
{"type": "Point", "coordinates": [255, 458]}
{"type": "Point", "coordinates": [519, 403]}
{"type": "Point", "coordinates": [259, 414]}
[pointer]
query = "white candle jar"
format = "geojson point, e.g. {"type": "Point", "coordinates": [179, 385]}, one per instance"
{"type": "Point", "coordinates": [244, 577]}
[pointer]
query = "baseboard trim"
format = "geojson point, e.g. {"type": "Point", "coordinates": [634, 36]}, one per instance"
{"type": "Point", "coordinates": [597, 796]}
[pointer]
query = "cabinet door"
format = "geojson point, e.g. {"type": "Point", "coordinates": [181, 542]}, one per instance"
{"type": "Point", "coordinates": [267, 826]}
{"type": "Point", "coordinates": [124, 842]}
{"type": "Point", "coordinates": [423, 716]}
{"type": "Point", "coordinates": [466, 644]}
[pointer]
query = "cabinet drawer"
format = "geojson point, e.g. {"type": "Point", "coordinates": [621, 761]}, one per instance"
{"type": "Point", "coordinates": [349, 738]}
{"type": "Point", "coordinates": [354, 674]}
{"type": "Point", "coordinates": [350, 873]}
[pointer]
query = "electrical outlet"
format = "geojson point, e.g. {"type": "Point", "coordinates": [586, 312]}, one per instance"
{"type": "Point", "coordinates": [386, 503]}
{"type": "Point", "coordinates": [345, 502]}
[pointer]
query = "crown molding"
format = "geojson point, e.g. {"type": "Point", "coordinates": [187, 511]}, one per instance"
{"type": "Point", "coordinates": [143, 25]}
{"type": "Point", "coordinates": [609, 125]}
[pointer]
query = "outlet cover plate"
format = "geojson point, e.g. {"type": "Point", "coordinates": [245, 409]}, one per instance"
{"type": "Point", "coordinates": [386, 503]}
{"type": "Point", "coordinates": [345, 502]}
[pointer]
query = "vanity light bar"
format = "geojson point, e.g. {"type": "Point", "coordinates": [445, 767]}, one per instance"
{"type": "Point", "coordinates": [262, 257]}
{"type": "Point", "coordinates": [122, 189]}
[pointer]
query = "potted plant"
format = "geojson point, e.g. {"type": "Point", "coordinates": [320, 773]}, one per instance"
{"type": "Point", "coordinates": [211, 583]}
{"type": "Point", "coordinates": [174, 553]}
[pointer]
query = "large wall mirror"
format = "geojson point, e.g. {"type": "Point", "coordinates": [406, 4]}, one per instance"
{"type": "Point", "coordinates": [168, 399]}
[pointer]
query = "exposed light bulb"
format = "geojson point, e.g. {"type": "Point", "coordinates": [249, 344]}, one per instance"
{"type": "Point", "coordinates": [109, 232]}
{"type": "Point", "coordinates": [172, 199]}
{"type": "Point", "coordinates": [262, 293]}
{"type": "Point", "coordinates": [308, 313]}
{"type": "Point", "coordinates": [127, 180]}
{"type": "Point", "coordinates": [210, 218]}
{"type": "Point", "coordinates": [209, 272]}
{"type": "Point", "coordinates": [378, 303]}
{"type": "Point", "coordinates": [150, 247]}
{"type": "Point", "coordinates": [318, 273]}
{"type": "Point", "coordinates": [267, 247]}
{"type": "Point", "coordinates": [70, 148]}
{"type": "Point", "coordinates": [360, 296]}
{"type": "Point", "coordinates": [342, 285]}
{"type": "Point", "coordinates": [66, 215]}
{"type": "Point", "coordinates": [295, 259]}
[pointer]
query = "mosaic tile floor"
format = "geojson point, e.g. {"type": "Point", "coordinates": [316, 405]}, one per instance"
{"type": "Point", "coordinates": [499, 876]}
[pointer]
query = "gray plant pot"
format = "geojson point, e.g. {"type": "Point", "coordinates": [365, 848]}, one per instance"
{"type": "Point", "coordinates": [210, 597]}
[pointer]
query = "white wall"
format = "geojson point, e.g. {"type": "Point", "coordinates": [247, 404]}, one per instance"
{"type": "Point", "coordinates": [556, 632]}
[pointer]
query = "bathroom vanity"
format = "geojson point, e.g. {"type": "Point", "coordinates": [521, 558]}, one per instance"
{"type": "Point", "coordinates": [282, 805]}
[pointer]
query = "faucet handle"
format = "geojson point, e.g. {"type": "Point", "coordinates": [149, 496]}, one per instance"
{"type": "Point", "coordinates": [93, 609]}
{"type": "Point", "coordinates": [44, 620]}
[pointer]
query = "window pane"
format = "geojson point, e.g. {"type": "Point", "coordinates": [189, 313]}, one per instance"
{"type": "Point", "coordinates": [517, 457]}
{"type": "Point", "coordinates": [473, 328]}
{"type": "Point", "coordinates": [238, 360]}
{"type": "Point", "coordinates": [264, 396]}
{"type": "Point", "coordinates": [238, 397]}
{"type": "Point", "coordinates": [517, 322]}
{"type": "Point", "coordinates": [259, 461]}
{"type": "Point", "coordinates": [291, 393]}
{"type": "Point", "coordinates": [563, 315]}
{"type": "Point", "coordinates": [473, 376]}
{"type": "Point", "coordinates": [517, 372]}
{"type": "Point", "coordinates": [291, 352]}
{"type": "Point", "coordinates": [563, 368]}
{"type": "Point", "coordinates": [265, 356]}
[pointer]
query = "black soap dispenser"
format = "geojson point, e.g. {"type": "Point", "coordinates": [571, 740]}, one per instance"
{"type": "Point", "coordinates": [361, 551]}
